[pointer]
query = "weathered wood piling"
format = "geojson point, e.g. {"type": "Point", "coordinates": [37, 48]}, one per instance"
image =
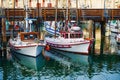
{"type": "Point", "coordinates": [102, 37]}
{"type": "Point", "coordinates": [3, 38]}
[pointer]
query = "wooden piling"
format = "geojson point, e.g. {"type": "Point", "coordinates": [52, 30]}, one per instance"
{"type": "Point", "coordinates": [102, 37]}
{"type": "Point", "coordinates": [90, 28]}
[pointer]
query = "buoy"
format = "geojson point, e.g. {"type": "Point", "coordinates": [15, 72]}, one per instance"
{"type": "Point", "coordinates": [87, 39]}
{"type": "Point", "coordinates": [47, 47]}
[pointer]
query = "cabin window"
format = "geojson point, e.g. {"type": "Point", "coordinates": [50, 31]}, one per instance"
{"type": "Point", "coordinates": [116, 27]}
{"type": "Point", "coordinates": [31, 36]}
{"type": "Point", "coordinates": [81, 35]}
{"type": "Point", "coordinates": [26, 36]}
{"type": "Point", "coordinates": [35, 36]}
{"type": "Point", "coordinates": [66, 36]}
{"type": "Point", "coordinates": [71, 35]}
{"type": "Point", "coordinates": [62, 35]}
{"type": "Point", "coordinates": [77, 35]}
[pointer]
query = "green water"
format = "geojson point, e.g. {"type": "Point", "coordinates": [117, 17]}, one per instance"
{"type": "Point", "coordinates": [102, 68]}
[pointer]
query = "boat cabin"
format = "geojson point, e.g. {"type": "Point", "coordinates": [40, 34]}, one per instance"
{"type": "Point", "coordinates": [28, 35]}
{"type": "Point", "coordinates": [71, 34]}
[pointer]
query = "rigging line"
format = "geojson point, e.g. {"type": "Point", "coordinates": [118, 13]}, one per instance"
{"type": "Point", "coordinates": [105, 11]}
{"type": "Point", "coordinates": [90, 3]}
{"type": "Point", "coordinates": [85, 3]}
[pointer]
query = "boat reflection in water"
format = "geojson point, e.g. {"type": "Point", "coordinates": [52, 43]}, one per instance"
{"type": "Point", "coordinates": [35, 63]}
{"type": "Point", "coordinates": [68, 58]}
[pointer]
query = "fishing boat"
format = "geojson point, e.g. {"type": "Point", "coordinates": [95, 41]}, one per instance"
{"type": "Point", "coordinates": [114, 27]}
{"type": "Point", "coordinates": [71, 39]}
{"type": "Point", "coordinates": [116, 44]}
{"type": "Point", "coordinates": [118, 39]}
{"type": "Point", "coordinates": [27, 43]}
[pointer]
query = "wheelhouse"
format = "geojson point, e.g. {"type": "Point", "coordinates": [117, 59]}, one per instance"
{"type": "Point", "coordinates": [71, 34]}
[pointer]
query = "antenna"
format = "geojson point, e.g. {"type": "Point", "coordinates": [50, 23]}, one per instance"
{"type": "Point", "coordinates": [105, 10]}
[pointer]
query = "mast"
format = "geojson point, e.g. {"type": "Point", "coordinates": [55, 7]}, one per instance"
{"type": "Point", "coordinates": [66, 21]}
{"type": "Point", "coordinates": [43, 3]}
{"type": "Point", "coordinates": [38, 20]}
{"type": "Point", "coordinates": [77, 11]}
{"type": "Point", "coordinates": [26, 15]}
{"type": "Point", "coordinates": [56, 6]}
{"type": "Point", "coordinates": [105, 10]}
{"type": "Point", "coordinates": [67, 11]}
{"type": "Point", "coordinates": [90, 3]}
{"type": "Point", "coordinates": [14, 19]}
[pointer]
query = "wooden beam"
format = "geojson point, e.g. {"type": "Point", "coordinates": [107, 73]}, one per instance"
{"type": "Point", "coordinates": [92, 14]}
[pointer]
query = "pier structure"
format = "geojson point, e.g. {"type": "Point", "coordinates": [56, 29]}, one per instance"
{"type": "Point", "coordinates": [48, 14]}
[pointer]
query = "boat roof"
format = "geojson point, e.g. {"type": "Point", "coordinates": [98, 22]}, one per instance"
{"type": "Point", "coordinates": [24, 34]}
{"type": "Point", "coordinates": [66, 32]}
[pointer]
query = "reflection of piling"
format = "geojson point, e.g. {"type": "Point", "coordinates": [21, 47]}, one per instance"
{"type": "Point", "coordinates": [94, 36]}
{"type": "Point", "coordinates": [4, 40]}
{"type": "Point", "coordinates": [0, 38]}
{"type": "Point", "coordinates": [0, 45]}
{"type": "Point", "coordinates": [102, 37]}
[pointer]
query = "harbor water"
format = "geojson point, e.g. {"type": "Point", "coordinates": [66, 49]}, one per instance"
{"type": "Point", "coordinates": [58, 66]}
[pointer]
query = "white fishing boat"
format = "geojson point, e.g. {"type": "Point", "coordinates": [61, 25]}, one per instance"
{"type": "Point", "coordinates": [27, 43]}
{"type": "Point", "coordinates": [72, 41]}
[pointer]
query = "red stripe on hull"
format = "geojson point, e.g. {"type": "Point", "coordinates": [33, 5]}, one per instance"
{"type": "Point", "coordinates": [17, 47]}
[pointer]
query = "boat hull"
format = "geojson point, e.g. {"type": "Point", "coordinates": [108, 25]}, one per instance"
{"type": "Point", "coordinates": [32, 51]}
{"type": "Point", "coordinates": [81, 48]}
